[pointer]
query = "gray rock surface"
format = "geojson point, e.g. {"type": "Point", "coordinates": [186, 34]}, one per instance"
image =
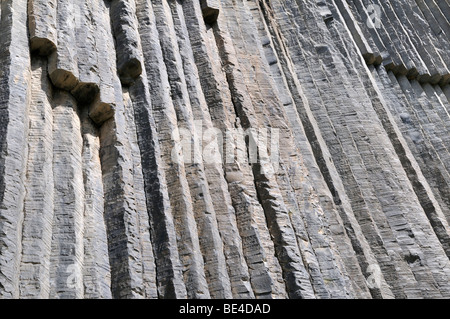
{"type": "Point", "coordinates": [224, 149]}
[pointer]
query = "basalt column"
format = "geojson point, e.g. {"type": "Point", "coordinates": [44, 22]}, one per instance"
{"type": "Point", "coordinates": [198, 149]}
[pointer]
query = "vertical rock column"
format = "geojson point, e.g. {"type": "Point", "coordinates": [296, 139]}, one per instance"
{"type": "Point", "coordinates": [257, 246]}
{"type": "Point", "coordinates": [120, 209]}
{"type": "Point", "coordinates": [351, 244]}
{"type": "Point", "coordinates": [171, 154]}
{"type": "Point", "coordinates": [304, 73]}
{"type": "Point", "coordinates": [169, 275]}
{"type": "Point", "coordinates": [96, 269]}
{"type": "Point", "coordinates": [129, 67]}
{"type": "Point", "coordinates": [277, 215]}
{"type": "Point", "coordinates": [307, 216]}
{"type": "Point", "coordinates": [87, 60]}
{"type": "Point", "coordinates": [14, 102]}
{"type": "Point", "coordinates": [102, 107]}
{"type": "Point", "coordinates": [124, 23]}
{"type": "Point", "coordinates": [63, 63]}
{"type": "Point", "coordinates": [131, 274]}
{"type": "Point", "coordinates": [42, 26]}
{"type": "Point", "coordinates": [212, 163]}
{"type": "Point", "coordinates": [425, 200]}
{"type": "Point", "coordinates": [147, 257]}
{"type": "Point", "coordinates": [334, 234]}
{"type": "Point", "coordinates": [204, 212]}
{"type": "Point", "coordinates": [38, 207]}
{"type": "Point", "coordinates": [69, 193]}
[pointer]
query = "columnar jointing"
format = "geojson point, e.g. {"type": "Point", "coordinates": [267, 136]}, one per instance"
{"type": "Point", "coordinates": [224, 149]}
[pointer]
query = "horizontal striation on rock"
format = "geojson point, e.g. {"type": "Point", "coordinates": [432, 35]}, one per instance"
{"type": "Point", "coordinates": [224, 149]}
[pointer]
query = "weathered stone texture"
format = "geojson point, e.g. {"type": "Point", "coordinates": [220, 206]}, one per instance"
{"type": "Point", "coordinates": [327, 176]}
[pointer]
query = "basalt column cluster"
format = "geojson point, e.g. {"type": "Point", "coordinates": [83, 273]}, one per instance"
{"type": "Point", "coordinates": [124, 173]}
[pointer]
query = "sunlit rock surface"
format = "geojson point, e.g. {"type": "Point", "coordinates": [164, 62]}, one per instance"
{"type": "Point", "coordinates": [224, 149]}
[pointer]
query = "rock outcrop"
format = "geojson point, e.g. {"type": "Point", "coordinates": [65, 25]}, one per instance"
{"type": "Point", "coordinates": [224, 149]}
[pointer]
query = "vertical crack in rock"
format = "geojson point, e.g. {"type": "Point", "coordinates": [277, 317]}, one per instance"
{"type": "Point", "coordinates": [220, 198]}
{"type": "Point", "coordinates": [183, 86]}
{"type": "Point", "coordinates": [307, 217]}
{"type": "Point", "coordinates": [164, 236]}
{"type": "Point", "coordinates": [256, 248]}
{"type": "Point", "coordinates": [264, 269]}
{"type": "Point", "coordinates": [169, 136]}
{"type": "Point", "coordinates": [169, 279]}
{"type": "Point", "coordinates": [296, 277]}
{"type": "Point", "coordinates": [312, 138]}
{"type": "Point", "coordinates": [147, 258]}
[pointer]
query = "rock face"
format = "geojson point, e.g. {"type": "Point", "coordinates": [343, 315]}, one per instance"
{"type": "Point", "coordinates": [224, 149]}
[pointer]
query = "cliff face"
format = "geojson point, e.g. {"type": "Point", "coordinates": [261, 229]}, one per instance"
{"type": "Point", "coordinates": [224, 149]}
